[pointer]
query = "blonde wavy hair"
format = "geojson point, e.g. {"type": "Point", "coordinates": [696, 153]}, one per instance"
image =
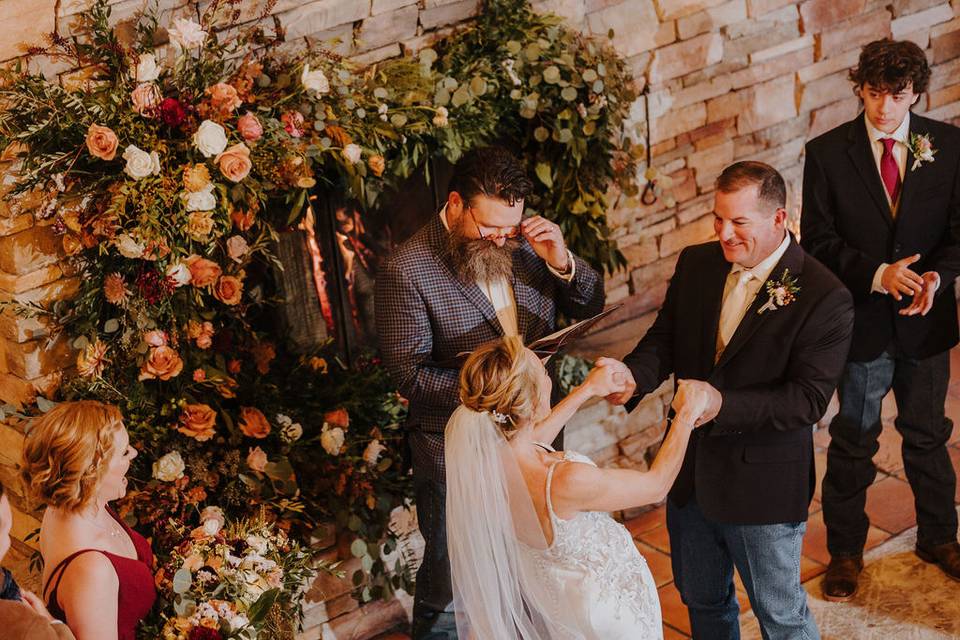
{"type": "Point", "coordinates": [501, 376]}
{"type": "Point", "coordinates": [65, 453]}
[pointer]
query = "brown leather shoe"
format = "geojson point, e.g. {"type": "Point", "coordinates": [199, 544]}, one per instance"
{"type": "Point", "coordinates": [840, 581]}
{"type": "Point", "coordinates": [946, 556]}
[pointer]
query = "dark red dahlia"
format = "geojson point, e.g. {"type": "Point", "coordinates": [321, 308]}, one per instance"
{"type": "Point", "coordinates": [203, 633]}
{"type": "Point", "coordinates": [153, 286]}
{"type": "Point", "coordinates": [172, 112]}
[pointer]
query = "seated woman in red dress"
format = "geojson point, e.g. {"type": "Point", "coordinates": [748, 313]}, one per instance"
{"type": "Point", "coordinates": [98, 573]}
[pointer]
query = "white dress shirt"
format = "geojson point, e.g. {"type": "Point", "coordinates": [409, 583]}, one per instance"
{"type": "Point", "coordinates": [500, 292]}
{"type": "Point", "coordinates": [760, 274]}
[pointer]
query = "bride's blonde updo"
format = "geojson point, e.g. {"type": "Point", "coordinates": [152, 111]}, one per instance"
{"type": "Point", "coordinates": [500, 377]}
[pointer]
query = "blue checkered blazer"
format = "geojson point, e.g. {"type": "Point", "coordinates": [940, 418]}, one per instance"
{"type": "Point", "coordinates": [425, 313]}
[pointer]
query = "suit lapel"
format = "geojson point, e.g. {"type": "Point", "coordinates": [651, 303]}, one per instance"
{"type": "Point", "coordinates": [470, 291]}
{"type": "Point", "coordinates": [522, 295]}
{"type": "Point", "coordinates": [711, 301]}
{"type": "Point", "coordinates": [863, 159]}
{"type": "Point", "coordinates": [792, 260]}
{"type": "Point", "coordinates": [912, 180]}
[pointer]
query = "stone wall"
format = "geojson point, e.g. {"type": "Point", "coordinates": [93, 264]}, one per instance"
{"type": "Point", "coordinates": [729, 80]}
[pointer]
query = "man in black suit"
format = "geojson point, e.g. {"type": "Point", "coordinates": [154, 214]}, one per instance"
{"type": "Point", "coordinates": [761, 331]}
{"type": "Point", "coordinates": [476, 272]}
{"type": "Point", "coordinates": [883, 213]}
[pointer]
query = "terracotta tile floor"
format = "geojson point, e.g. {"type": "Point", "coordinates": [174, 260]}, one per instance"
{"type": "Point", "coordinates": [889, 505]}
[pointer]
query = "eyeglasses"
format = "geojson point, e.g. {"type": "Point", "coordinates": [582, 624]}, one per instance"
{"type": "Point", "coordinates": [502, 232]}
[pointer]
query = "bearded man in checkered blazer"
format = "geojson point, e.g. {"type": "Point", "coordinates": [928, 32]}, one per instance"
{"type": "Point", "coordinates": [476, 272]}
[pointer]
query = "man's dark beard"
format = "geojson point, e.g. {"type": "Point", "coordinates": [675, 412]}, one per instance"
{"type": "Point", "coordinates": [479, 260]}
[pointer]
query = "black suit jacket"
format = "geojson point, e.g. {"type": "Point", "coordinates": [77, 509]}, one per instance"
{"type": "Point", "coordinates": [846, 224]}
{"type": "Point", "coordinates": [425, 313]}
{"type": "Point", "coordinates": [754, 463]}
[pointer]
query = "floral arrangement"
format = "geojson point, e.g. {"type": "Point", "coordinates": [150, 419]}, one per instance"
{"type": "Point", "coordinates": [230, 582]}
{"type": "Point", "coordinates": [921, 146]}
{"type": "Point", "coordinates": [781, 292]}
{"type": "Point", "coordinates": [167, 173]}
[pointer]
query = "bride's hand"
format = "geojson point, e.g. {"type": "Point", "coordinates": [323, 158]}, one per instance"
{"type": "Point", "coordinates": [605, 379]}
{"type": "Point", "coordinates": [696, 403]}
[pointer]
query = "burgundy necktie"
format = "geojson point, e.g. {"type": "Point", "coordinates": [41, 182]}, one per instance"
{"type": "Point", "coordinates": [889, 172]}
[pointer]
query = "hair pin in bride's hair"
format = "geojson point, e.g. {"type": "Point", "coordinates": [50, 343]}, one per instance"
{"type": "Point", "coordinates": [499, 418]}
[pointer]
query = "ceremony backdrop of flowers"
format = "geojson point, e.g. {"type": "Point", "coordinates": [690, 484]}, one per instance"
{"type": "Point", "coordinates": [168, 173]}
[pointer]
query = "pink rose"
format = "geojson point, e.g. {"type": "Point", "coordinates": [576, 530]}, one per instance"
{"type": "Point", "coordinates": [155, 338]}
{"type": "Point", "coordinates": [249, 127]}
{"type": "Point", "coordinates": [199, 375]}
{"type": "Point", "coordinates": [293, 123]}
{"type": "Point", "coordinates": [145, 99]}
{"type": "Point", "coordinates": [257, 459]}
{"type": "Point", "coordinates": [235, 162]}
{"type": "Point", "coordinates": [237, 247]}
{"type": "Point", "coordinates": [102, 142]}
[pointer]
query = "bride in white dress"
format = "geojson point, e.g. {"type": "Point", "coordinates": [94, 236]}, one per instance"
{"type": "Point", "coordinates": [534, 553]}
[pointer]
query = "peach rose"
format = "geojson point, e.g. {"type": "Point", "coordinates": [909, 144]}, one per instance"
{"type": "Point", "coordinates": [253, 423]}
{"type": "Point", "coordinates": [203, 272]}
{"type": "Point", "coordinates": [196, 177]}
{"type": "Point", "coordinates": [223, 97]}
{"type": "Point", "coordinates": [228, 290]}
{"type": "Point", "coordinates": [199, 375]}
{"type": "Point", "coordinates": [235, 162]}
{"type": "Point", "coordinates": [201, 332]}
{"type": "Point", "coordinates": [249, 127]}
{"type": "Point", "coordinates": [162, 363]}
{"type": "Point", "coordinates": [155, 338]}
{"type": "Point", "coordinates": [102, 142]}
{"type": "Point", "coordinates": [145, 99]}
{"type": "Point", "coordinates": [337, 418]}
{"type": "Point", "coordinates": [197, 421]}
{"type": "Point", "coordinates": [257, 459]}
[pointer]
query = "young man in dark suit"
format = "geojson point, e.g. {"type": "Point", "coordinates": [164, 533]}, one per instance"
{"type": "Point", "coordinates": [881, 208]}
{"type": "Point", "coordinates": [761, 330]}
{"type": "Point", "coordinates": [476, 272]}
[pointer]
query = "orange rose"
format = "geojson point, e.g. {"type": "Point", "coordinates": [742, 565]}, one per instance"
{"type": "Point", "coordinates": [197, 421]}
{"type": "Point", "coordinates": [102, 142]}
{"type": "Point", "coordinates": [242, 220]}
{"type": "Point", "coordinates": [337, 418]}
{"type": "Point", "coordinates": [228, 290]}
{"type": "Point", "coordinates": [253, 423]}
{"type": "Point", "coordinates": [235, 162]}
{"type": "Point", "coordinates": [263, 353]}
{"type": "Point", "coordinates": [223, 97]}
{"type": "Point", "coordinates": [377, 164]}
{"type": "Point", "coordinates": [203, 272]}
{"type": "Point", "coordinates": [162, 363]}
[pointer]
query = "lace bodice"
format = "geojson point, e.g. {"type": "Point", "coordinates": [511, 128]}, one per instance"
{"type": "Point", "coordinates": [597, 557]}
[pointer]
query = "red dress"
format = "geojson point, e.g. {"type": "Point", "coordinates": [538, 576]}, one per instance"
{"type": "Point", "coordinates": [136, 592]}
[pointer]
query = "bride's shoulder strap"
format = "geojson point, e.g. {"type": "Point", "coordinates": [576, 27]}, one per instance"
{"type": "Point", "coordinates": [553, 467]}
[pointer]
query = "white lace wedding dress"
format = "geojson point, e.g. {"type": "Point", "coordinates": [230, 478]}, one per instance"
{"type": "Point", "coordinates": [594, 566]}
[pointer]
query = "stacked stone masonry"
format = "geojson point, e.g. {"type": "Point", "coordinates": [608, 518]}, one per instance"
{"type": "Point", "coordinates": [729, 80]}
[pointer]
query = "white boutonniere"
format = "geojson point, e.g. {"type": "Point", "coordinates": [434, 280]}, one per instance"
{"type": "Point", "coordinates": [782, 292]}
{"type": "Point", "coordinates": [921, 146]}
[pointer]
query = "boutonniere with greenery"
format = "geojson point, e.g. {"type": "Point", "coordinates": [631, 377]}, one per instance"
{"type": "Point", "coordinates": [782, 292]}
{"type": "Point", "coordinates": [921, 146]}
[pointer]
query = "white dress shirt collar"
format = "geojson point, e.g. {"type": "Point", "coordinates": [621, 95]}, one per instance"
{"type": "Point", "coordinates": [901, 135]}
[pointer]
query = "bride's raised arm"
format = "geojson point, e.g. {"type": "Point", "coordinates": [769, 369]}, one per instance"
{"type": "Point", "coordinates": [605, 378]}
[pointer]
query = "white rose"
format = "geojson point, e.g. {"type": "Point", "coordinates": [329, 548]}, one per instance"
{"type": "Point", "coordinates": [211, 527]}
{"type": "Point", "coordinates": [140, 164]}
{"type": "Point", "coordinates": [128, 246]}
{"type": "Point", "coordinates": [372, 453]}
{"type": "Point", "coordinates": [187, 33]}
{"type": "Point", "coordinates": [147, 70]}
{"type": "Point", "coordinates": [169, 468]}
{"type": "Point", "coordinates": [332, 440]}
{"type": "Point", "coordinates": [203, 200]}
{"type": "Point", "coordinates": [258, 544]}
{"type": "Point", "coordinates": [210, 139]}
{"type": "Point", "coordinates": [284, 420]}
{"type": "Point", "coordinates": [353, 153]}
{"type": "Point", "coordinates": [291, 432]}
{"type": "Point", "coordinates": [179, 273]}
{"type": "Point", "coordinates": [314, 80]}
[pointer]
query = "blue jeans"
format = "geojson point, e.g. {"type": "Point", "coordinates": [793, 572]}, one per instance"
{"type": "Point", "coordinates": [767, 556]}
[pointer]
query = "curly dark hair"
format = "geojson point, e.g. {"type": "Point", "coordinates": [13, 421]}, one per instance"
{"type": "Point", "coordinates": [892, 65]}
{"type": "Point", "coordinates": [490, 171]}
